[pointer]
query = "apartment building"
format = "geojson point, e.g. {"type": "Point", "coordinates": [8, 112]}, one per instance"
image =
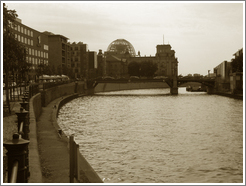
{"type": "Point", "coordinates": [59, 52]}
{"type": "Point", "coordinates": [79, 61]}
{"type": "Point", "coordinates": [36, 43]}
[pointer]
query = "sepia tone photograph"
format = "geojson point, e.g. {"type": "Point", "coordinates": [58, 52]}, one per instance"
{"type": "Point", "coordinates": [122, 92]}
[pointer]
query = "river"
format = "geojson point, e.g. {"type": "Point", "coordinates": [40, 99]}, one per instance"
{"type": "Point", "coordinates": [150, 136]}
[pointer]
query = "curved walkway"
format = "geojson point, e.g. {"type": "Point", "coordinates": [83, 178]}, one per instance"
{"type": "Point", "coordinates": [53, 150]}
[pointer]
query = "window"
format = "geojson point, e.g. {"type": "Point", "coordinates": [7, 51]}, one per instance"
{"type": "Point", "coordinates": [28, 41]}
{"type": "Point", "coordinates": [30, 51]}
{"type": "Point", "coordinates": [33, 52]}
{"type": "Point", "coordinates": [24, 30]}
{"type": "Point", "coordinates": [31, 34]}
{"type": "Point", "coordinates": [25, 41]}
{"type": "Point", "coordinates": [21, 29]}
{"type": "Point", "coordinates": [32, 42]}
{"type": "Point", "coordinates": [46, 55]}
{"type": "Point", "coordinates": [19, 39]}
{"type": "Point", "coordinates": [38, 53]}
{"type": "Point", "coordinates": [27, 59]}
{"type": "Point", "coordinates": [28, 32]}
{"type": "Point", "coordinates": [42, 54]}
{"type": "Point", "coordinates": [22, 39]}
{"type": "Point", "coordinates": [18, 28]}
{"type": "Point", "coordinates": [32, 60]}
{"type": "Point", "coordinates": [46, 47]}
{"type": "Point", "coordinates": [16, 37]}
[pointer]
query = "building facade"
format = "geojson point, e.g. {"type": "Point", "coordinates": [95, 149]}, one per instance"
{"type": "Point", "coordinates": [92, 64]}
{"type": "Point", "coordinates": [59, 52]}
{"type": "Point", "coordinates": [79, 60]}
{"type": "Point", "coordinates": [121, 54]}
{"type": "Point", "coordinates": [222, 75]}
{"type": "Point", "coordinates": [37, 47]}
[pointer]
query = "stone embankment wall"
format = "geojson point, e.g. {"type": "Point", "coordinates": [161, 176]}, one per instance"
{"type": "Point", "coordinates": [106, 87]}
{"type": "Point", "coordinates": [60, 91]}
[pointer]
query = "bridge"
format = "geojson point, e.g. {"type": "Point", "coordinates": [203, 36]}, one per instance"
{"type": "Point", "coordinates": [173, 83]}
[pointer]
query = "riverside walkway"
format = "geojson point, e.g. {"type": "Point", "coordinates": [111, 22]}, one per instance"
{"type": "Point", "coordinates": [53, 150]}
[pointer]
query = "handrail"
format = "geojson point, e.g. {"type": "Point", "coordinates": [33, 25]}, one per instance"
{"type": "Point", "coordinates": [13, 178]}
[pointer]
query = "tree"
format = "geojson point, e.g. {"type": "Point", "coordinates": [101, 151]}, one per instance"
{"type": "Point", "coordinates": [59, 70]}
{"type": "Point", "coordinates": [237, 63]}
{"type": "Point", "coordinates": [47, 70]}
{"type": "Point", "coordinates": [133, 69]}
{"type": "Point", "coordinates": [53, 70]}
{"type": "Point", "coordinates": [14, 53]}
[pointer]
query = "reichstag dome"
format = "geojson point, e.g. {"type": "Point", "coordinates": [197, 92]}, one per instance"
{"type": "Point", "coordinates": [121, 46]}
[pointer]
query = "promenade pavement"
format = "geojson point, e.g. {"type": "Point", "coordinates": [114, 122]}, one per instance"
{"type": "Point", "coordinates": [53, 150]}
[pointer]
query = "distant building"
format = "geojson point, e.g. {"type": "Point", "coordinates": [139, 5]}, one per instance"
{"type": "Point", "coordinates": [36, 43]}
{"type": "Point", "coordinates": [166, 60]}
{"type": "Point", "coordinates": [79, 61]}
{"type": "Point", "coordinates": [100, 64]}
{"type": "Point", "coordinates": [196, 75]}
{"type": "Point", "coordinates": [59, 52]}
{"type": "Point", "coordinates": [121, 53]}
{"type": "Point", "coordinates": [238, 52]}
{"type": "Point", "coordinates": [92, 64]}
{"type": "Point", "coordinates": [223, 70]}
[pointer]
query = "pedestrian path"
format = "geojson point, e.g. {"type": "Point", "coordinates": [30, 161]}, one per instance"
{"type": "Point", "coordinates": [54, 152]}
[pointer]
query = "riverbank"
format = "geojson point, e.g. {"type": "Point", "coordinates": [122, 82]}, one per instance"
{"type": "Point", "coordinates": [230, 95]}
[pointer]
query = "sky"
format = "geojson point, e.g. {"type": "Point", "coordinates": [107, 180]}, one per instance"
{"type": "Point", "coordinates": [203, 34]}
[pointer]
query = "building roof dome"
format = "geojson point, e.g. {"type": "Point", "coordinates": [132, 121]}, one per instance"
{"type": "Point", "coordinates": [121, 46]}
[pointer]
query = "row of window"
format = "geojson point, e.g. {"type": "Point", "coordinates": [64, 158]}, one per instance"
{"type": "Point", "coordinates": [36, 61]}
{"type": "Point", "coordinates": [38, 53]}
{"type": "Point", "coordinates": [23, 30]}
{"type": "Point", "coordinates": [24, 40]}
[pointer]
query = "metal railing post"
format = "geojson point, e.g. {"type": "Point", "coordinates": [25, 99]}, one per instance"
{"type": "Point", "coordinates": [17, 152]}
{"type": "Point", "coordinates": [25, 105]}
{"type": "Point", "coordinates": [23, 117]}
{"type": "Point", "coordinates": [76, 152]}
{"type": "Point", "coordinates": [71, 148]}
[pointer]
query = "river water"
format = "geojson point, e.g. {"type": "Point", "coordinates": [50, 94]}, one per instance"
{"type": "Point", "coordinates": [150, 136]}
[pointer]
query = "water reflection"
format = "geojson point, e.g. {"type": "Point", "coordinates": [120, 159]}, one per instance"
{"type": "Point", "coordinates": [188, 138]}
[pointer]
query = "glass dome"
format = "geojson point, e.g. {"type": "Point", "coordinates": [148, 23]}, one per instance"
{"type": "Point", "coordinates": [121, 46]}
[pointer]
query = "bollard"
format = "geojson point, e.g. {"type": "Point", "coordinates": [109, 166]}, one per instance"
{"type": "Point", "coordinates": [25, 98]}
{"type": "Point", "coordinates": [17, 152]}
{"type": "Point", "coordinates": [22, 117]}
{"type": "Point", "coordinates": [25, 105]}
